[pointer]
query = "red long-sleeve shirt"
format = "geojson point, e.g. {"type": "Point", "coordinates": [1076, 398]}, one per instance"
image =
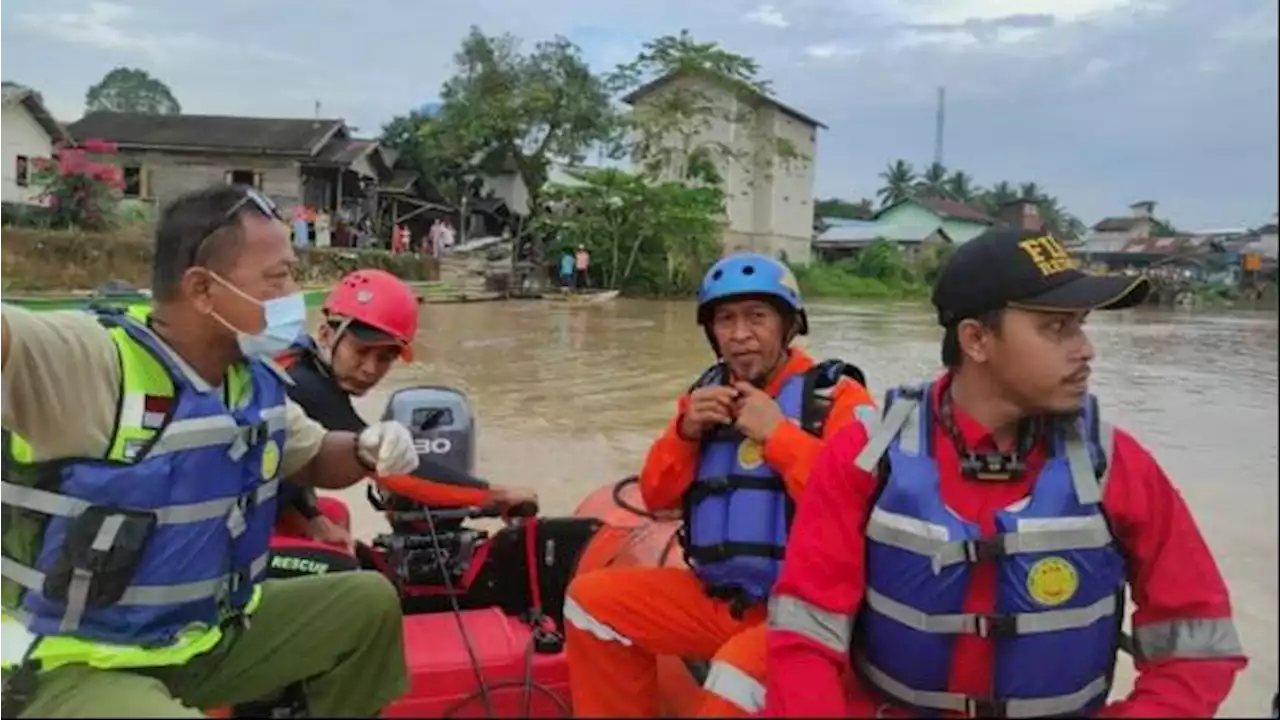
{"type": "Point", "coordinates": [1172, 574]}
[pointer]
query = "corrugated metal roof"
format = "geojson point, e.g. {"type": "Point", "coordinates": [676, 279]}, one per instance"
{"type": "Point", "coordinates": [868, 231]}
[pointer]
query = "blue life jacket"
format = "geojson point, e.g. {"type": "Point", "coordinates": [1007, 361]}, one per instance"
{"type": "Point", "coordinates": [170, 531]}
{"type": "Point", "coordinates": [1061, 579]}
{"type": "Point", "coordinates": [738, 513]}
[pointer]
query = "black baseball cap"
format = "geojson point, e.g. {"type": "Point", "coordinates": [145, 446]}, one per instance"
{"type": "Point", "coordinates": [1003, 268]}
{"type": "Point", "coordinates": [1009, 268]}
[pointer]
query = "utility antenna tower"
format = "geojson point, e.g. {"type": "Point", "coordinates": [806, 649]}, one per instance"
{"type": "Point", "coordinates": [940, 124]}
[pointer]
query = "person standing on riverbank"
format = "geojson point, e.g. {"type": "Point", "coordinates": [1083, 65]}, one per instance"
{"type": "Point", "coordinates": [582, 267]}
{"type": "Point", "coordinates": [982, 533]}
{"type": "Point", "coordinates": [736, 457]}
{"type": "Point", "coordinates": [566, 271]}
{"type": "Point", "coordinates": [139, 502]}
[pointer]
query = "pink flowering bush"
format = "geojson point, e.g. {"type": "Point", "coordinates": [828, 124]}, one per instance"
{"type": "Point", "coordinates": [79, 191]}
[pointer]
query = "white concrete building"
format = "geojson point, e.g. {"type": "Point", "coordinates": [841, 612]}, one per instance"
{"type": "Point", "coordinates": [1111, 234]}
{"type": "Point", "coordinates": [29, 133]}
{"type": "Point", "coordinates": [769, 198]}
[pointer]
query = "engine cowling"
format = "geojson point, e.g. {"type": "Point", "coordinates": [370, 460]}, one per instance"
{"type": "Point", "coordinates": [442, 422]}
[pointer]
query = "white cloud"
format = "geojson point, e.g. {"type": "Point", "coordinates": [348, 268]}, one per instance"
{"type": "Point", "coordinates": [830, 51]}
{"type": "Point", "coordinates": [1259, 26]}
{"type": "Point", "coordinates": [1093, 72]}
{"type": "Point", "coordinates": [105, 25]}
{"type": "Point", "coordinates": [767, 15]}
{"type": "Point", "coordinates": [96, 26]}
{"type": "Point", "coordinates": [946, 12]}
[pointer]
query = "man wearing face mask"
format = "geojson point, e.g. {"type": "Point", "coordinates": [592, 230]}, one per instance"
{"type": "Point", "coordinates": [736, 458]}
{"type": "Point", "coordinates": [370, 320]}
{"type": "Point", "coordinates": [140, 498]}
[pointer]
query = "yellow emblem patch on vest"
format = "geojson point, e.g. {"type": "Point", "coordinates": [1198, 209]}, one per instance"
{"type": "Point", "coordinates": [1052, 581]}
{"type": "Point", "coordinates": [750, 454]}
{"type": "Point", "coordinates": [270, 460]}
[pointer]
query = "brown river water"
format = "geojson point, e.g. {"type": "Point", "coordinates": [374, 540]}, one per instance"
{"type": "Point", "coordinates": [569, 399]}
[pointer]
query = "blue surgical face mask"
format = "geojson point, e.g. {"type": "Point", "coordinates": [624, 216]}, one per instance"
{"type": "Point", "coordinates": [284, 318]}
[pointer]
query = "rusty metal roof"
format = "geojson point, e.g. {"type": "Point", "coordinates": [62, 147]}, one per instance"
{"type": "Point", "coordinates": [1116, 224]}
{"type": "Point", "coordinates": [209, 133]}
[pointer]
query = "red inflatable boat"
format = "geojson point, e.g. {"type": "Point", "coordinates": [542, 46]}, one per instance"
{"type": "Point", "coordinates": [484, 611]}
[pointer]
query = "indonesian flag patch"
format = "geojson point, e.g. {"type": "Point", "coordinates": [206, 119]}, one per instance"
{"type": "Point", "coordinates": [154, 410]}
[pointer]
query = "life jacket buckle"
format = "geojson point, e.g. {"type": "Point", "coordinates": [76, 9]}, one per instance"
{"type": "Point", "coordinates": [985, 550]}
{"type": "Point", "coordinates": [996, 626]}
{"type": "Point", "coordinates": [984, 708]}
{"type": "Point", "coordinates": [715, 485]}
{"type": "Point", "coordinates": [257, 433]}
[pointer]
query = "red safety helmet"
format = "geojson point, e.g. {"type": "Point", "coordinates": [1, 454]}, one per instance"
{"type": "Point", "coordinates": [377, 301]}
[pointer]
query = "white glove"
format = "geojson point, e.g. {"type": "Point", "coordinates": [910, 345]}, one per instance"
{"type": "Point", "coordinates": [388, 447]}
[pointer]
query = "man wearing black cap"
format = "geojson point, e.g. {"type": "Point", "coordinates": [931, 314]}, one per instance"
{"type": "Point", "coordinates": [984, 530]}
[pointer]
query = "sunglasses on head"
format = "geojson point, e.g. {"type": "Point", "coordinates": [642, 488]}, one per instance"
{"type": "Point", "coordinates": [249, 196]}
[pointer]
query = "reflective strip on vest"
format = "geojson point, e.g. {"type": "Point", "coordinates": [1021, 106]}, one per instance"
{"type": "Point", "coordinates": [1033, 536]}
{"type": "Point", "coordinates": [974, 624]}
{"type": "Point", "coordinates": [902, 421]}
{"type": "Point", "coordinates": [55, 651]}
{"type": "Point", "coordinates": [53, 504]}
{"type": "Point", "coordinates": [734, 685]}
{"type": "Point", "coordinates": [213, 431]}
{"type": "Point", "coordinates": [829, 629]}
{"type": "Point", "coordinates": [1199, 639]}
{"type": "Point", "coordinates": [78, 591]}
{"type": "Point", "coordinates": [973, 707]}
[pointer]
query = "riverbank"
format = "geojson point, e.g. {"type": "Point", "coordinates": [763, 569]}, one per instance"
{"type": "Point", "coordinates": [49, 262]}
{"type": "Point", "coordinates": [837, 282]}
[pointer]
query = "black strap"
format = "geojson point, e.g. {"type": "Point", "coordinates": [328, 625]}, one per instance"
{"type": "Point", "coordinates": [716, 553]}
{"type": "Point", "coordinates": [704, 489]}
{"type": "Point", "coordinates": [824, 375]}
{"type": "Point", "coordinates": [717, 374]}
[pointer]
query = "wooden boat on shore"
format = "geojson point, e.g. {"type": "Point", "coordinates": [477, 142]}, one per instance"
{"type": "Point", "coordinates": [589, 297]}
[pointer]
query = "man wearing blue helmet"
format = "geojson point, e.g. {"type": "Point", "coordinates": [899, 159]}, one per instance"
{"type": "Point", "coordinates": [735, 458]}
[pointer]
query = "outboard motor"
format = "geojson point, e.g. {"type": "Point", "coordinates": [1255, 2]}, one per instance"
{"type": "Point", "coordinates": [443, 427]}
{"type": "Point", "coordinates": [442, 423]}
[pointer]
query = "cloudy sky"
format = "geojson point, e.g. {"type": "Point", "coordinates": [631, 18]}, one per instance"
{"type": "Point", "coordinates": [1103, 102]}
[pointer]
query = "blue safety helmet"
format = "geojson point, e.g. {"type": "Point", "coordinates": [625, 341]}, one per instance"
{"type": "Point", "coordinates": [751, 274]}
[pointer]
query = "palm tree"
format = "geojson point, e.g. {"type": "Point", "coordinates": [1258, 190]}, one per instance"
{"type": "Point", "coordinates": [1030, 191]}
{"type": "Point", "coordinates": [899, 180]}
{"type": "Point", "coordinates": [960, 186]}
{"type": "Point", "coordinates": [934, 180]}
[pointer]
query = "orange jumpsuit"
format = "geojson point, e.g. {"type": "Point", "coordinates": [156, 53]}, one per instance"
{"type": "Point", "coordinates": [618, 620]}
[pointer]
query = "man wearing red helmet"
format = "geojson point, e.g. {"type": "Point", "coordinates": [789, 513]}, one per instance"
{"type": "Point", "coordinates": [370, 320]}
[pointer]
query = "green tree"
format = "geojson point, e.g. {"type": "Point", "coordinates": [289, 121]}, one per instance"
{"type": "Point", "coordinates": [933, 181]}
{"type": "Point", "coordinates": [647, 237]}
{"type": "Point", "coordinates": [996, 197]}
{"type": "Point", "coordinates": [521, 111]}
{"type": "Point", "coordinates": [667, 134]}
{"type": "Point", "coordinates": [452, 162]}
{"type": "Point", "coordinates": [837, 208]}
{"type": "Point", "coordinates": [131, 90]}
{"type": "Point", "coordinates": [899, 183]}
{"type": "Point", "coordinates": [960, 186]}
